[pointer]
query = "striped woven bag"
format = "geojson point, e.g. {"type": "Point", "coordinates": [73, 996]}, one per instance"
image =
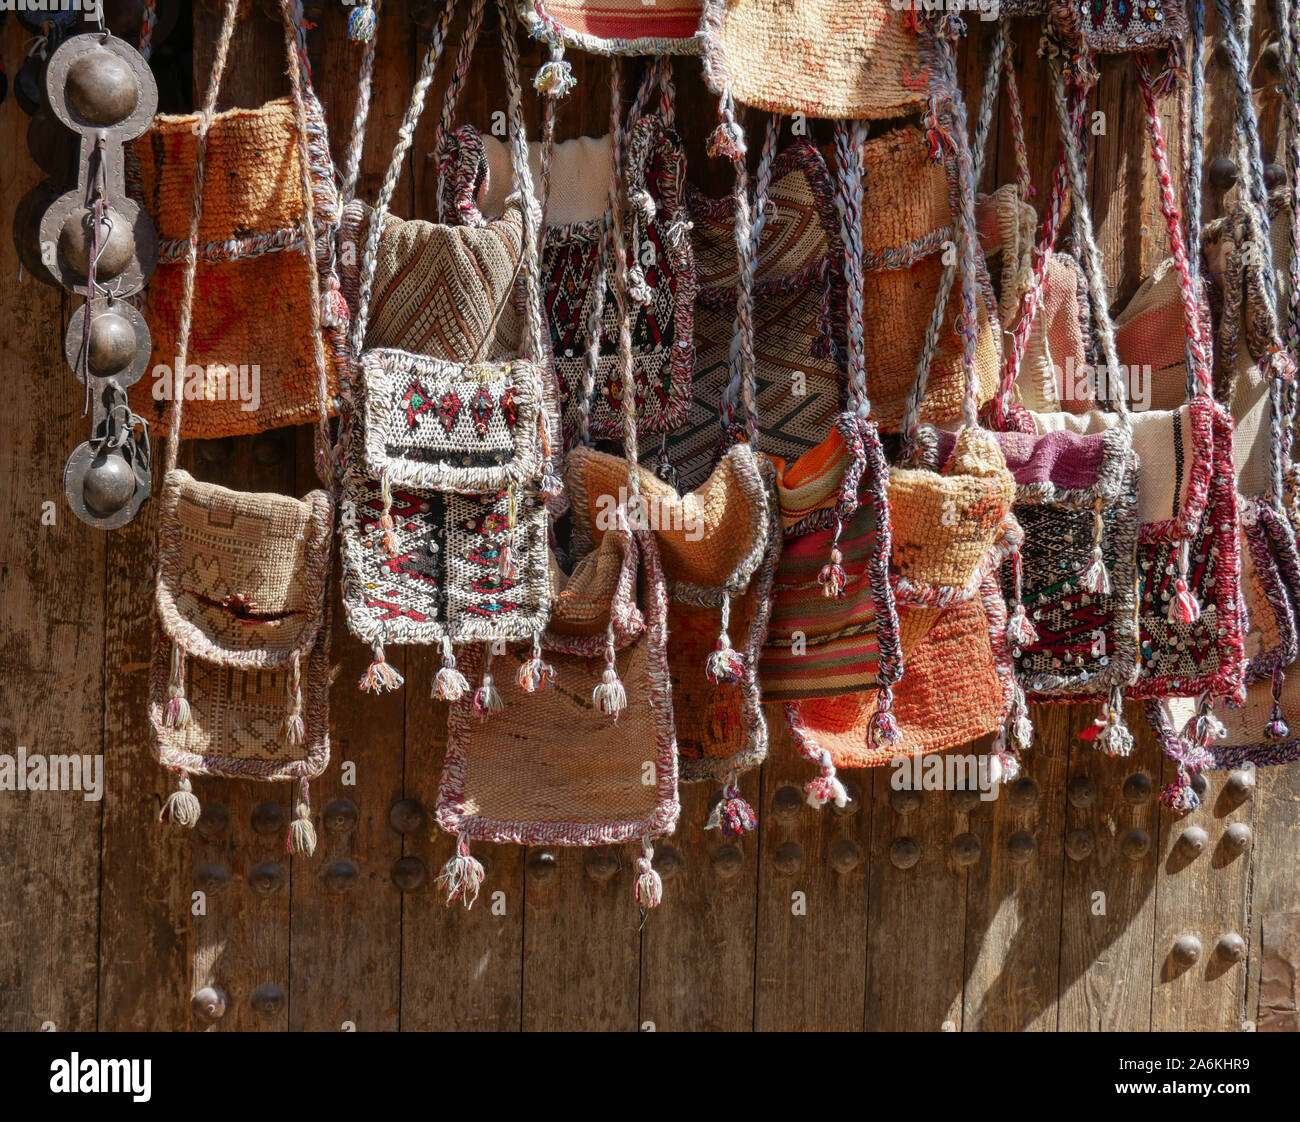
{"type": "Point", "coordinates": [616, 27]}
{"type": "Point", "coordinates": [239, 677]}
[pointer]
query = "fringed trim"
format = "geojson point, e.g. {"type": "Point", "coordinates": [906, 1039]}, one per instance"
{"type": "Point", "coordinates": [883, 727]}
{"type": "Point", "coordinates": [379, 675]}
{"type": "Point", "coordinates": [731, 813]}
{"type": "Point", "coordinates": [462, 876]}
{"type": "Point", "coordinates": [535, 673]}
{"type": "Point", "coordinates": [449, 684]}
{"type": "Point", "coordinates": [1180, 796]}
{"type": "Point", "coordinates": [181, 807]}
{"type": "Point", "coordinates": [302, 834]}
{"type": "Point", "coordinates": [1109, 733]}
{"type": "Point", "coordinates": [649, 890]}
{"type": "Point", "coordinates": [177, 713]}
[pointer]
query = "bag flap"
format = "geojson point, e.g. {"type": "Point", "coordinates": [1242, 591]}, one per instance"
{"type": "Point", "coordinates": [1115, 26]}
{"type": "Point", "coordinates": [809, 488]}
{"type": "Point", "coordinates": [441, 425]}
{"type": "Point", "coordinates": [947, 527]}
{"type": "Point", "coordinates": [617, 27]}
{"type": "Point", "coordinates": [1176, 453]}
{"type": "Point", "coordinates": [241, 576]}
{"type": "Point", "coordinates": [599, 592]}
{"type": "Point", "coordinates": [712, 538]}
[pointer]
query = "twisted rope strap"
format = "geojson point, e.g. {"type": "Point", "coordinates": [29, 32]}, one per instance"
{"type": "Point", "coordinates": [459, 75]}
{"type": "Point", "coordinates": [1289, 25]}
{"type": "Point", "coordinates": [1194, 159]}
{"type": "Point", "coordinates": [365, 83]}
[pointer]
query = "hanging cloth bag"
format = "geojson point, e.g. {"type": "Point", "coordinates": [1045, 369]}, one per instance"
{"type": "Point", "coordinates": [249, 366]}
{"type": "Point", "coordinates": [239, 678]}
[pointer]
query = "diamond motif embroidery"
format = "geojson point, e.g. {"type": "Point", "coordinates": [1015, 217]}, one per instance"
{"type": "Point", "coordinates": [486, 555]}
{"type": "Point", "coordinates": [510, 407]}
{"type": "Point", "coordinates": [448, 410]}
{"type": "Point", "coordinates": [481, 410]}
{"type": "Point", "coordinates": [417, 402]}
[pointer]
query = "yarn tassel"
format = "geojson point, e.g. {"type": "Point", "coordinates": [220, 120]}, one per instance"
{"type": "Point", "coordinates": [825, 788]}
{"type": "Point", "coordinates": [649, 889]}
{"type": "Point", "coordinates": [462, 876]}
{"type": "Point", "coordinates": [506, 563]}
{"type": "Point", "coordinates": [1277, 728]}
{"type": "Point", "coordinates": [302, 834]}
{"type": "Point", "coordinates": [379, 675]}
{"type": "Point", "coordinates": [555, 78]}
{"type": "Point", "coordinates": [293, 731]}
{"type": "Point", "coordinates": [361, 23]}
{"type": "Point", "coordinates": [609, 696]}
{"type": "Point", "coordinates": [725, 664]}
{"type": "Point", "coordinates": [535, 674]}
{"type": "Point", "coordinates": [181, 807]}
{"type": "Point", "coordinates": [883, 727]}
{"type": "Point", "coordinates": [487, 698]}
{"type": "Point", "coordinates": [449, 684]}
{"type": "Point", "coordinates": [1180, 796]}
{"type": "Point", "coordinates": [1113, 736]}
{"type": "Point", "coordinates": [1184, 607]}
{"type": "Point", "coordinates": [831, 577]}
{"type": "Point", "coordinates": [386, 521]}
{"type": "Point", "coordinates": [1021, 632]}
{"type": "Point", "coordinates": [177, 713]}
{"type": "Point", "coordinates": [732, 814]}
{"type": "Point", "coordinates": [1096, 577]}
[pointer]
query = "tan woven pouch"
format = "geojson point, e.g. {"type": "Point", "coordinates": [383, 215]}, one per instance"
{"type": "Point", "coordinates": [821, 58]}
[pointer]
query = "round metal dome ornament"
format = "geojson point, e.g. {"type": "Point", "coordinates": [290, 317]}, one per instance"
{"type": "Point", "coordinates": [107, 487]}
{"type": "Point", "coordinates": [97, 81]}
{"type": "Point", "coordinates": [119, 343]}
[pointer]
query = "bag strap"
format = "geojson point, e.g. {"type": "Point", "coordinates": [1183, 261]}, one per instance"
{"type": "Point", "coordinates": [300, 85]}
{"type": "Point", "coordinates": [365, 84]}
{"type": "Point", "coordinates": [459, 75]}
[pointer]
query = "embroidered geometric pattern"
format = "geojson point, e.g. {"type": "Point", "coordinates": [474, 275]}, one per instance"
{"type": "Point", "coordinates": [1123, 25]}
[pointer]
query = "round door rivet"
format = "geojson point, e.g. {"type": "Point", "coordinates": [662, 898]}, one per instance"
{"type": "Point", "coordinates": [340, 816]}
{"type": "Point", "coordinates": [1135, 844]}
{"type": "Point", "coordinates": [213, 821]}
{"type": "Point", "coordinates": [667, 861]}
{"type": "Point", "coordinates": [267, 1000]}
{"type": "Point", "coordinates": [267, 818]}
{"type": "Point", "coordinates": [904, 802]}
{"type": "Point", "coordinates": [727, 860]}
{"type": "Point", "coordinates": [904, 853]}
{"type": "Point", "coordinates": [852, 805]}
{"type": "Point", "coordinates": [1187, 949]}
{"type": "Point", "coordinates": [408, 873]}
{"type": "Point", "coordinates": [339, 876]}
{"type": "Point", "coordinates": [541, 865]}
{"type": "Point", "coordinates": [266, 877]}
{"type": "Point", "coordinates": [1223, 173]}
{"type": "Point", "coordinates": [1200, 784]}
{"type": "Point", "coordinates": [1241, 784]}
{"type": "Point", "coordinates": [1021, 846]}
{"type": "Point", "coordinates": [601, 864]}
{"type": "Point", "coordinates": [1271, 56]}
{"type": "Point", "coordinates": [965, 799]}
{"type": "Point", "coordinates": [1023, 793]}
{"type": "Point", "coordinates": [209, 1004]}
{"type": "Point", "coordinates": [1079, 844]}
{"type": "Point", "coordinates": [787, 802]}
{"type": "Point", "coordinates": [1232, 947]}
{"type": "Point", "coordinates": [1238, 837]}
{"type": "Point", "coordinates": [1137, 788]}
{"type": "Point", "coordinates": [213, 877]}
{"type": "Point", "coordinates": [1082, 791]}
{"type": "Point", "coordinates": [1194, 839]}
{"type": "Point", "coordinates": [845, 856]}
{"type": "Point", "coordinates": [965, 849]}
{"type": "Point", "coordinates": [1274, 176]}
{"type": "Point", "coordinates": [788, 858]}
{"type": "Point", "coordinates": [407, 816]}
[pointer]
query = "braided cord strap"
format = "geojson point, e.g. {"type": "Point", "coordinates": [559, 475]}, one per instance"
{"type": "Point", "coordinates": [1194, 159]}
{"type": "Point", "coordinates": [405, 136]}
{"type": "Point", "coordinates": [361, 114]}
{"type": "Point", "coordinates": [190, 270]}
{"type": "Point", "coordinates": [459, 75]}
{"type": "Point", "coordinates": [849, 139]}
{"type": "Point", "coordinates": [1289, 24]}
{"type": "Point", "coordinates": [1115, 389]}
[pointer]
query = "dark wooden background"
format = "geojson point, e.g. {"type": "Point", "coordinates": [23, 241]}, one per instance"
{"type": "Point", "coordinates": [993, 927]}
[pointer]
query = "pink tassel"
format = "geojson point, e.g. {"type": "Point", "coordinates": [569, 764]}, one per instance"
{"type": "Point", "coordinates": [649, 890]}
{"type": "Point", "coordinates": [487, 698]}
{"type": "Point", "coordinates": [831, 577]}
{"type": "Point", "coordinates": [176, 714]}
{"type": "Point", "coordinates": [727, 141]}
{"type": "Point", "coordinates": [732, 814]}
{"type": "Point", "coordinates": [1184, 607]}
{"type": "Point", "coordinates": [506, 564]}
{"type": "Point", "coordinates": [1180, 796]}
{"type": "Point", "coordinates": [725, 665]}
{"type": "Point", "coordinates": [1021, 632]}
{"type": "Point", "coordinates": [883, 726]}
{"type": "Point", "coordinates": [462, 876]}
{"type": "Point", "coordinates": [1096, 577]}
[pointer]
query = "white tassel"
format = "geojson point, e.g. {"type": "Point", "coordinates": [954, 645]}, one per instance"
{"type": "Point", "coordinates": [182, 807]}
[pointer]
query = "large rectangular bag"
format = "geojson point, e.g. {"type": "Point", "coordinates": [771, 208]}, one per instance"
{"type": "Point", "coordinates": [616, 27]}
{"type": "Point", "coordinates": [253, 287]}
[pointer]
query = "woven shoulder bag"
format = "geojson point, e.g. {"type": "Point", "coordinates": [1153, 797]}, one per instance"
{"type": "Point", "coordinates": [798, 290]}
{"type": "Point", "coordinates": [616, 27]}
{"type": "Point", "coordinates": [444, 530]}
{"type": "Point", "coordinates": [578, 271]}
{"type": "Point", "coordinates": [249, 366]}
{"type": "Point", "coordinates": [950, 529]}
{"type": "Point", "coordinates": [239, 679]}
